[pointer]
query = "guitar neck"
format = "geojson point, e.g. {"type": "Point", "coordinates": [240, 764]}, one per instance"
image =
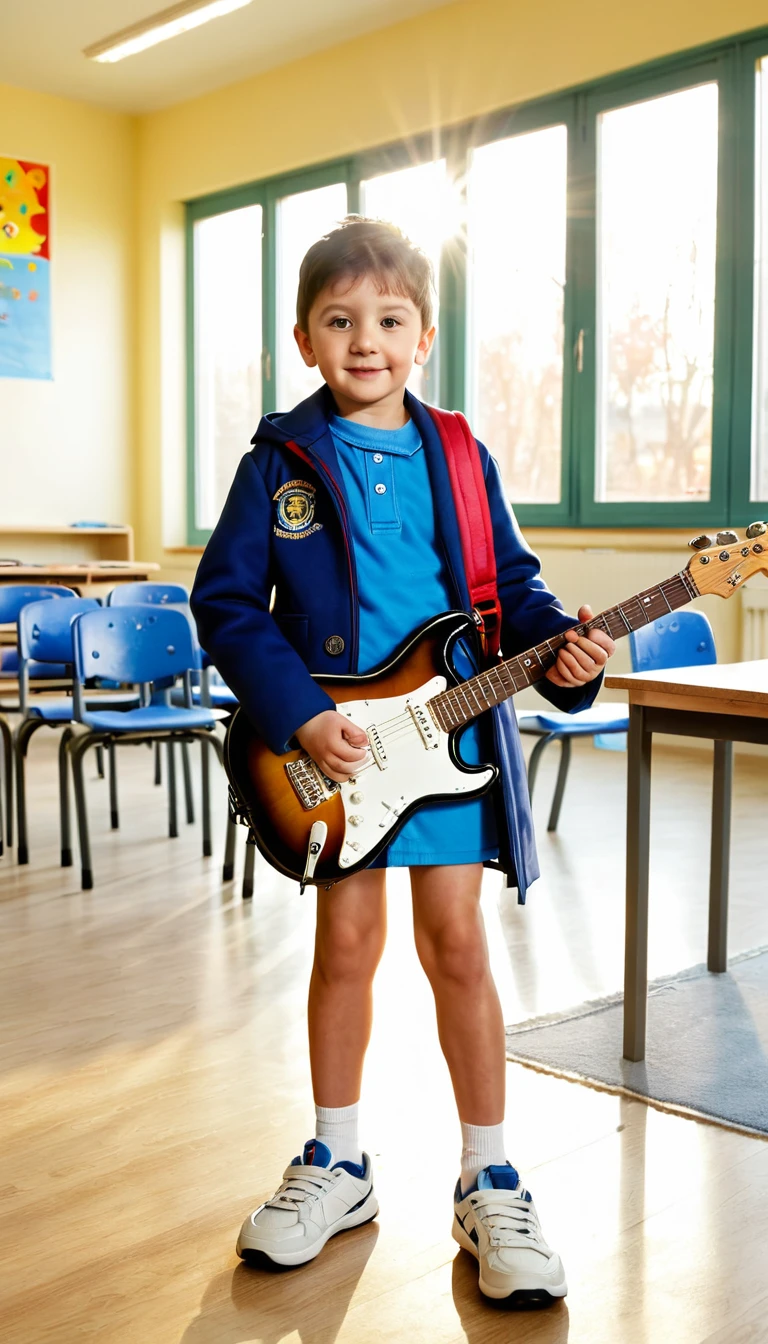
{"type": "Point", "coordinates": [459, 704]}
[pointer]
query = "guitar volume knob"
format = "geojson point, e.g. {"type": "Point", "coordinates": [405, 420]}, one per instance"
{"type": "Point", "coordinates": [355, 820]}
{"type": "Point", "coordinates": [356, 797]}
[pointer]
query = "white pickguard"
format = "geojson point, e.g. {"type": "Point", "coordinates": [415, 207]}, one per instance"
{"type": "Point", "coordinates": [406, 762]}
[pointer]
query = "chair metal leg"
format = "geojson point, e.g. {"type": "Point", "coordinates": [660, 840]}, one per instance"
{"type": "Point", "coordinates": [229, 850]}
{"type": "Point", "coordinates": [66, 832]}
{"type": "Point", "coordinates": [188, 794]}
{"type": "Point", "coordinates": [23, 733]}
{"type": "Point", "coordinates": [77, 750]}
{"type": "Point", "coordinates": [173, 824]}
{"type": "Point", "coordinates": [205, 779]}
{"type": "Point", "coordinates": [562, 775]}
{"type": "Point", "coordinates": [100, 761]}
{"type": "Point", "coordinates": [5, 732]}
{"type": "Point", "coordinates": [533, 763]}
{"type": "Point", "coordinates": [158, 763]}
{"type": "Point", "coordinates": [114, 813]}
{"type": "Point", "coordinates": [2, 786]}
{"type": "Point", "coordinates": [250, 860]}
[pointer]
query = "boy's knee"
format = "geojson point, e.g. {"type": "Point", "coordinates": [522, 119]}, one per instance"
{"type": "Point", "coordinates": [455, 952]}
{"type": "Point", "coordinates": [346, 951]}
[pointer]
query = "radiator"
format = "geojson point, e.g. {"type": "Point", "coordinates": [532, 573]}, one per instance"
{"type": "Point", "coordinates": [754, 623]}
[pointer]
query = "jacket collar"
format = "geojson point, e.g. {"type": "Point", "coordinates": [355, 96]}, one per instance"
{"type": "Point", "coordinates": [308, 426]}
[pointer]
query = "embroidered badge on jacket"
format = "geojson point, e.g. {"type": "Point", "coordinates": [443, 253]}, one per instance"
{"type": "Point", "coordinates": [295, 511]}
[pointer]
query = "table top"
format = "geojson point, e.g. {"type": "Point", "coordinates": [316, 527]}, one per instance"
{"type": "Point", "coordinates": [732, 688]}
{"type": "Point", "coordinates": [87, 571]}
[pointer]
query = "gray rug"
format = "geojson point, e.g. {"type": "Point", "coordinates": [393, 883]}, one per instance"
{"type": "Point", "coordinates": [707, 1044]}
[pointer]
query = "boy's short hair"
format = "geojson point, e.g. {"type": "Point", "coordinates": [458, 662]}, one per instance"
{"type": "Point", "coordinates": [361, 246]}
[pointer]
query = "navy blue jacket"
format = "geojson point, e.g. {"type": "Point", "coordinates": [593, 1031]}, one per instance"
{"type": "Point", "coordinates": [267, 656]}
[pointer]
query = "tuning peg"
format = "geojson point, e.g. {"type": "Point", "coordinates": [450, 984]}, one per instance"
{"type": "Point", "coordinates": [701, 543]}
{"type": "Point", "coordinates": [756, 530]}
{"type": "Point", "coordinates": [726, 538]}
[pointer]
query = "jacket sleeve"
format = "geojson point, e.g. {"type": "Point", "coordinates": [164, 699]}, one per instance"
{"type": "Point", "coordinates": [230, 603]}
{"type": "Point", "coordinates": [529, 611]}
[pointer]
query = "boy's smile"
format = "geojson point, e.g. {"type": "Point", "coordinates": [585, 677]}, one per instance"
{"type": "Point", "coordinates": [365, 344]}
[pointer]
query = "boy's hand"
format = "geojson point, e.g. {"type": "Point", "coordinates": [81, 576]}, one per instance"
{"type": "Point", "coordinates": [581, 659]}
{"type": "Point", "coordinates": [335, 744]}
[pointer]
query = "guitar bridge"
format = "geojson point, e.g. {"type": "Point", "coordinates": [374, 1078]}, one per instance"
{"type": "Point", "coordinates": [309, 783]}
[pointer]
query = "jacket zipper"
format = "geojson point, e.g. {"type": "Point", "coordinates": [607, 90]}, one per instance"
{"type": "Point", "coordinates": [341, 510]}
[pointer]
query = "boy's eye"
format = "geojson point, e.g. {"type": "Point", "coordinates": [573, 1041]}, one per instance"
{"type": "Point", "coordinates": [337, 321]}
{"type": "Point", "coordinates": [390, 323]}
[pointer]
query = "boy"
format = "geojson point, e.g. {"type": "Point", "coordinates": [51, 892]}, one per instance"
{"type": "Point", "coordinates": [344, 506]}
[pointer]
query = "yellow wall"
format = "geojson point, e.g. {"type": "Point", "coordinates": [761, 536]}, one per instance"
{"type": "Point", "coordinates": [457, 62]}
{"type": "Point", "coordinates": [66, 446]}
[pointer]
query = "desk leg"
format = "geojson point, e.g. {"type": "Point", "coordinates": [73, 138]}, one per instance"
{"type": "Point", "coordinates": [638, 837]}
{"type": "Point", "coordinates": [722, 783]}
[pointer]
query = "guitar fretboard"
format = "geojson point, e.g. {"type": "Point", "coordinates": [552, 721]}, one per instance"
{"type": "Point", "coordinates": [461, 703]}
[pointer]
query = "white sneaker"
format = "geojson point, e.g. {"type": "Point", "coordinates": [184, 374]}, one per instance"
{"type": "Point", "coordinates": [317, 1199]}
{"type": "Point", "coordinates": [497, 1223]}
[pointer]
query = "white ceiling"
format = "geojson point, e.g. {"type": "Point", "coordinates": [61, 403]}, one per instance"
{"type": "Point", "coordinates": [41, 44]}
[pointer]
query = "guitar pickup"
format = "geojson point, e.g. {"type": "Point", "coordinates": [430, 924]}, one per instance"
{"type": "Point", "coordinates": [425, 724]}
{"type": "Point", "coordinates": [377, 747]}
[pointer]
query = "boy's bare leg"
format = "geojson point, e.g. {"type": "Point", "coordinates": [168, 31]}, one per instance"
{"type": "Point", "coordinates": [452, 948]}
{"type": "Point", "coordinates": [351, 932]}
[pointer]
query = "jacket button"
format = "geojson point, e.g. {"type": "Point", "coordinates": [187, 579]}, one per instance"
{"type": "Point", "coordinates": [380, 489]}
{"type": "Point", "coordinates": [334, 644]}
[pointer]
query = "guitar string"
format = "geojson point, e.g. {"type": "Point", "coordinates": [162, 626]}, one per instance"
{"type": "Point", "coordinates": [396, 724]}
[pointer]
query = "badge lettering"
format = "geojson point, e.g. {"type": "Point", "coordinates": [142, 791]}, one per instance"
{"type": "Point", "coordinates": [295, 511]}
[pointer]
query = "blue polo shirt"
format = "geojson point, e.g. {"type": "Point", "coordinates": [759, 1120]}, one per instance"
{"type": "Point", "coordinates": [403, 581]}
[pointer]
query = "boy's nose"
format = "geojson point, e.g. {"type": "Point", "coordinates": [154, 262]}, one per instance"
{"type": "Point", "coordinates": [364, 341]}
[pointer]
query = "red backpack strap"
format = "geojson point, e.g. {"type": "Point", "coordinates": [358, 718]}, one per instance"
{"type": "Point", "coordinates": [474, 517]}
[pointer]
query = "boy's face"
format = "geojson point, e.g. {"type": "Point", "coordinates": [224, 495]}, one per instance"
{"type": "Point", "coordinates": [364, 343]}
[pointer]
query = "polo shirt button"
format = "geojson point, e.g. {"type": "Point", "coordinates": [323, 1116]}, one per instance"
{"type": "Point", "coordinates": [334, 644]}
{"type": "Point", "coordinates": [378, 457]}
{"type": "Point", "coordinates": [380, 489]}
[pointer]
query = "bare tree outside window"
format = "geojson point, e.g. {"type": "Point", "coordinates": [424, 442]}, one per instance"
{"type": "Point", "coordinates": [516, 234]}
{"type": "Point", "coordinates": [657, 208]}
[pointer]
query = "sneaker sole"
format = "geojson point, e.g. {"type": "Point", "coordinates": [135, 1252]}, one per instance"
{"type": "Point", "coordinates": [256, 1253]}
{"type": "Point", "coordinates": [525, 1289]}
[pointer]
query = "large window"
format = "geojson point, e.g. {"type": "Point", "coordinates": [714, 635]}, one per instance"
{"type": "Point", "coordinates": [602, 269]}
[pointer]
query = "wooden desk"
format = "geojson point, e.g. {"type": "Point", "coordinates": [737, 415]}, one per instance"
{"type": "Point", "coordinates": [88, 578]}
{"type": "Point", "coordinates": [728, 703]}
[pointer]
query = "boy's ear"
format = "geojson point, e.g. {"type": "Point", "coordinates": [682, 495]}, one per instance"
{"type": "Point", "coordinates": [305, 349]}
{"type": "Point", "coordinates": [424, 346]}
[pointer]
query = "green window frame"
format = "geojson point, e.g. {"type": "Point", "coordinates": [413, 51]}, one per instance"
{"type": "Point", "coordinates": [732, 65]}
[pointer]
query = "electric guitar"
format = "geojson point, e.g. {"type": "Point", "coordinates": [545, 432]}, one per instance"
{"type": "Point", "coordinates": [413, 710]}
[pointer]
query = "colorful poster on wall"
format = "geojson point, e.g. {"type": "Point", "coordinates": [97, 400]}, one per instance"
{"type": "Point", "coordinates": [25, 261]}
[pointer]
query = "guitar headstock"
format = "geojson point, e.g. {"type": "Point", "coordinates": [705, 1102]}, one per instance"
{"type": "Point", "coordinates": [723, 563]}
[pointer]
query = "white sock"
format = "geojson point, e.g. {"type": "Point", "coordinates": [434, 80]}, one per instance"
{"type": "Point", "coordinates": [336, 1126]}
{"type": "Point", "coordinates": [481, 1146]}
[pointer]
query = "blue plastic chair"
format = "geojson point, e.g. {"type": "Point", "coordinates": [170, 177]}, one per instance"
{"type": "Point", "coordinates": [13, 597]}
{"type": "Point", "coordinates": [158, 594]}
{"type": "Point", "coordinates": [145, 648]}
{"type": "Point", "coordinates": [681, 639]}
{"type": "Point", "coordinates": [45, 640]}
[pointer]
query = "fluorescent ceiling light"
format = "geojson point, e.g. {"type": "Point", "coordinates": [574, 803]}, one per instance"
{"type": "Point", "coordinates": [169, 23]}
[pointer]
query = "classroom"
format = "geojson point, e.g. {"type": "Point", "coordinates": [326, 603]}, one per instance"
{"type": "Point", "coordinates": [251, 580]}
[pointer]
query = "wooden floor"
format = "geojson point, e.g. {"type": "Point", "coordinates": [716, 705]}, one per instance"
{"type": "Point", "coordinates": [155, 1084]}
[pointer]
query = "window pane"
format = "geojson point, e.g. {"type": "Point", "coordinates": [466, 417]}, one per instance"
{"type": "Point", "coordinates": [227, 278]}
{"type": "Point", "coordinates": [657, 207]}
{"type": "Point", "coordinates": [759, 481]}
{"type": "Point", "coordinates": [420, 201]}
{"type": "Point", "coordinates": [301, 220]}
{"type": "Point", "coordinates": [517, 195]}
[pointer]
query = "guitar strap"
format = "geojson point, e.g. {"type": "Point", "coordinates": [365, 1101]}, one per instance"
{"type": "Point", "coordinates": [474, 517]}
